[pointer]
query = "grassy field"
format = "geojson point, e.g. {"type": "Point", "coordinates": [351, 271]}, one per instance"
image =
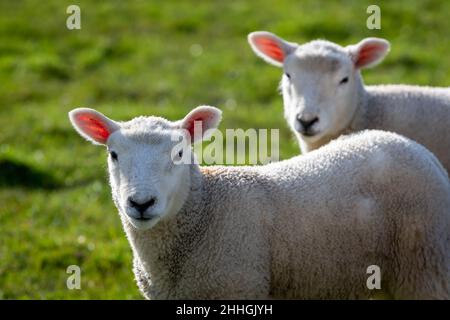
{"type": "Point", "coordinates": [149, 57]}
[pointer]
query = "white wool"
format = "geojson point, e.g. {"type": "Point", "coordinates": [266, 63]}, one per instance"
{"type": "Point", "coordinates": [307, 227]}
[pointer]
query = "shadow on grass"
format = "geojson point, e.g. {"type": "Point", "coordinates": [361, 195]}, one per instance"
{"type": "Point", "coordinates": [16, 174]}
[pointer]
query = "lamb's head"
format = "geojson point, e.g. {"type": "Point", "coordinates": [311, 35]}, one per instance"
{"type": "Point", "coordinates": [321, 80]}
{"type": "Point", "coordinates": [149, 159]}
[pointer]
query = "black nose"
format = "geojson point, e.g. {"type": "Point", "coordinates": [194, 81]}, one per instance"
{"type": "Point", "coordinates": [306, 124]}
{"type": "Point", "coordinates": [141, 207]}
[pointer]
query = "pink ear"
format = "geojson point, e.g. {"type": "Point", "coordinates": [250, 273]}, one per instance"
{"type": "Point", "coordinates": [270, 47]}
{"type": "Point", "coordinates": [92, 125]}
{"type": "Point", "coordinates": [369, 52]}
{"type": "Point", "coordinates": [203, 118]}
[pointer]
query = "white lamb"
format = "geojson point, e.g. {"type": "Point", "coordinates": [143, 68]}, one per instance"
{"type": "Point", "coordinates": [324, 95]}
{"type": "Point", "coordinates": [307, 227]}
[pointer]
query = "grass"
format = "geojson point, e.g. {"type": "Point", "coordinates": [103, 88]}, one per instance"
{"type": "Point", "coordinates": [147, 57]}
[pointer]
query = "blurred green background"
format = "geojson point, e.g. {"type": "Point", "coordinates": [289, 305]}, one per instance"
{"type": "Point", "coordinates": [155, 58]}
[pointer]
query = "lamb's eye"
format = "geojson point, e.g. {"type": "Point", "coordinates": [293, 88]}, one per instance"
{"type": "Point", "coordinates": [344, 80]}
{"type": "Point", "coordinates": [113, 155]}
{"type": "Point", "coordinates": [180, 154]}
{"type": "Point", "coordinates": [288, 75]}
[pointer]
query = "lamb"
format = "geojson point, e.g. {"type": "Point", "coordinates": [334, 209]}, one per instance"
{"type": "Point", "coordinates": [307, 227]}
{"type": "Point", "coordinates": [324, 95]}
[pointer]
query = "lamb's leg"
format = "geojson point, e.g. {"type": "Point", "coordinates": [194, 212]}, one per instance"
{"type": "Point", "coordinates": [423, 288]}
{"type": "Point", "coordinates": [141, 278]}
{"type": "Point", "coordinates": [425, 276]}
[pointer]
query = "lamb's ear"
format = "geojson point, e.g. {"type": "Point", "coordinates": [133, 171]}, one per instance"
{"type": "Point", "coordinates": [92, 125]}
{"type": "Point", "coordinates": [270, 47]}
{"type": "Point", "coordinates": [368, 52]}
{"type": "Point", "coordinates": [200, 122]}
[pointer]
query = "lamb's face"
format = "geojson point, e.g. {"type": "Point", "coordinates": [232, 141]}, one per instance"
{"type": "Point", "coordinates": [321, 80]}
{"type": "Point", "coordinates": [149, 160]}
{"type": "Point", "coordinates": [319, 90]}
{"type": "Point", "coordinates": [149, 170]}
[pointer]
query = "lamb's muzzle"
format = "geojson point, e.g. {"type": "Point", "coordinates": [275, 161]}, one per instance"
{"type": "Point", "coordinates": [142, 207]}
{"type": "Point", "coordinates": [305, 127]}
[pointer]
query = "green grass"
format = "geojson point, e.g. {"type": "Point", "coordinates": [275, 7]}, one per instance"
{"type": "Point", "coordinates": [133, 58]}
